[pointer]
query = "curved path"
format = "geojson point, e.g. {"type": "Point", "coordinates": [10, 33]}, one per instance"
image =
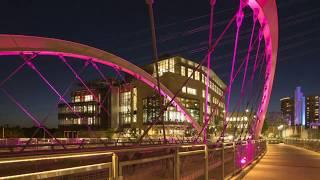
{"type": "Point", "coordinates": [286, 162]}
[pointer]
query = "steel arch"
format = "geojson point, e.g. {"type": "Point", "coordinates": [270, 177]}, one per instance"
{"type": "Point", "coordinates": [17, 44]}
{"type": "Point", "coordinates": [268, 19]}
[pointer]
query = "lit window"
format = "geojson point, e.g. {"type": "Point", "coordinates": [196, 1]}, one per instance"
{"type": "Point", "coordinates": [77, 99]}
{"type": "Point", "coordinates": [88, 98]}
{"type": "Point", "coordinates": [184, 89]}
{"type": "Point", "coordinates": [165, 66]}
{"type": "Point", "coordinates": [189, 90]}
{"type": "Point", "coordinates": [192, 91]}
{"type": "Point", "coordinates": [125, 107]}
{"type": "Point", "coordinates": [90, 108]}
{"type": "Point", "coordinates": [90, 121]}
{"type": "Point", "coordinates": [183, 71]}
{"type": "Point", "coordinates": [197, 75]}
{"type": "Point", "coordinates": [190, 72]}
{"type": "Point", "coordinates": [134, 96]}
{"type": "Point", "coordinates": [134, 119]}
{"type": "Point", "coordinates": [171, 65]}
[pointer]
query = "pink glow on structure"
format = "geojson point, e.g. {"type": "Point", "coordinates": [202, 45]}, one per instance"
{"type": "Point", "coordinates": [267, 17]}
{"type": "Point", "coordinates": [243, 160]}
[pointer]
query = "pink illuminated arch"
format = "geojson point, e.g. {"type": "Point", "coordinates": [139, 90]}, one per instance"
{"type": "Point", "coordinates": [268, 19]}
{"type": "Point", "coordinates": [17, 44]}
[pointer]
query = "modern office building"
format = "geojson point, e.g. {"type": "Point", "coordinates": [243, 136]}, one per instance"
{"type": "Point", "coordinates": [312, 111]}
{"type": "Point", "coordinates": [173, 72]}
{"type": "Point", "coordinates": [134, 106]}
{"type": "Point", "coordinates": [287, 109]}
{"type": "Point", "coordinates": [89, 109]}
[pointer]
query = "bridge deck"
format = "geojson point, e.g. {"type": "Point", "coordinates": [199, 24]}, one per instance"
{"type": "Point", "coordinates": [286, 162]}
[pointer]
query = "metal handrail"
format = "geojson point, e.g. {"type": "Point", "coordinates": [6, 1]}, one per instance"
{"type": "Point", "coordinates": [116, 167]}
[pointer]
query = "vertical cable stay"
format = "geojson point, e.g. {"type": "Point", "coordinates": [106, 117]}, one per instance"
{"type": "Point", "coordinates": [247, 58]}
{"type": "Point", "coordinates": [206, 115]}
{"type": "Point", "coordinates": [156, 58]}
{"type": "Point", "coordinates": [258, 95]}
{"type": "Point", "coordinates": [251, 99]}
{"type": "Point", "coordinates": [239, 20]}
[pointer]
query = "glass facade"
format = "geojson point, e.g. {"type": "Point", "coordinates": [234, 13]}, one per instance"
{"type": "Point", "coordinates": [165, 66]}
{"type": "Point", "coordinates": [125, 107]}
{"type": "Point", "coordinates": [83, 110]}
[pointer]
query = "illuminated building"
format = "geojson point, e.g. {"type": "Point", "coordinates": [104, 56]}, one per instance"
{"type": "Point", "coordinates": [299, 107]}
{"type": "Point", "coordinates": [88, 110]}
{"type": "Point", "coordinates": [173, 72]}
{"type": "Point", "coordinates": [312, 111]}
{"type": "Point", "coordinates": [287, 109]}
{"type": "Point", "coordinates": [133, 105]}
{"type": "Point", "coordinates": [237, 122]}
{"type": "Point", "coordinates": [302, 110]}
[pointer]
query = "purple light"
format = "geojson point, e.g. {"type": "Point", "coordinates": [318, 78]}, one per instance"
{"type": "Point", "coordinates": [243, 160]}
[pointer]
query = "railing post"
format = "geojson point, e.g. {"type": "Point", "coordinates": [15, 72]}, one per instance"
{"type": "Point", "coordinates": [234, 158]}
{"type": "Point", "coordinates": [177, 165]}
{"type": "Point", "coordinates": [206, 163]}
{"type": "Point", "coordinates": [115, 166]}
{"type": "Point", "coordinates": [222, 161]}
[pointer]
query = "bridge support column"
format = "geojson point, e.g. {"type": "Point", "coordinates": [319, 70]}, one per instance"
{"type": "Point", "coordinates": [115, 166]}
{"type": "Point", "coordinates": [206, 163]}
{"type": "Point", "coordinates": [177, 165]}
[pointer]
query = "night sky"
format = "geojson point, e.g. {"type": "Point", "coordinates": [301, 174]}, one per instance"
{"type": "Point", "coordinates": [122, 28]}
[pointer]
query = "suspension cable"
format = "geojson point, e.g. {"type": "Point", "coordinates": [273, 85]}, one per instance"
{"type": "Point", "coordinates": [239, 23]}
{"type": "Point", "coordinates": [212, 4]}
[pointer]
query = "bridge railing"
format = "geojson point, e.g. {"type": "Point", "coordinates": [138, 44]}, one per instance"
{"type": "Point", "coordinates": [156, 162]}
{"type": "Point", "coordinates": [19, 145]}
{"type": "Point", "coordinates": [311, 144]}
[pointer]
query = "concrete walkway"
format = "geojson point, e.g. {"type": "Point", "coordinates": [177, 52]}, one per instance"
{"type": "Point", "coordinates": [286, 162]}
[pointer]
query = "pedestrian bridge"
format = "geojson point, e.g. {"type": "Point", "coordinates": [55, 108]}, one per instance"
{"type": "Point", "coordinates": [241, 160]}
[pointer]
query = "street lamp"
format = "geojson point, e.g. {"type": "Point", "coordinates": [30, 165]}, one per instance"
{"type": "Point", "coordinates": [280, 127]}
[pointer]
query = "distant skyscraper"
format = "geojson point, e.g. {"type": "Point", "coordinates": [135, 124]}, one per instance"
{"type": "Point", "coordinates": [299, 107]}
{"type": "Point", "coordinates": [287, 109]}
{"type": "Point", "coordinates": [312, 111]}
{"type": "Point", "coordinates": [301, 110]}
